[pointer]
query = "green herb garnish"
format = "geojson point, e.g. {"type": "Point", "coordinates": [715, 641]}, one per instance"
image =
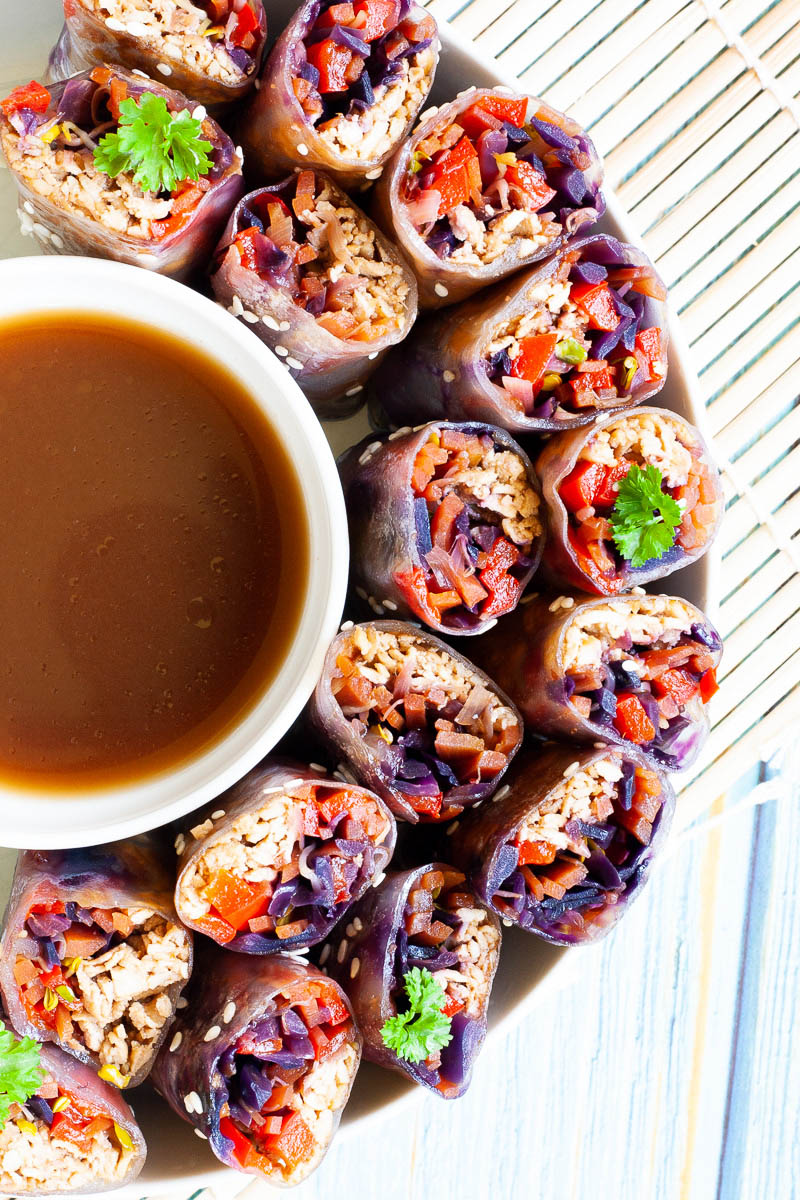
{"type": "Point", "coordinates": [571, 351]}
{"type": "Point", "coordinates": [423, 1029]}
{"type": "Point", "coordinates": [21, 1073]}
{"type": "Point", "coordinates": [644, 518]}
{"type": "Point", "coordinates": [160, 147]}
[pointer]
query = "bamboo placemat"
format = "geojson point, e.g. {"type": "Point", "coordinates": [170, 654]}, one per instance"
{"type": "Point", "coordinates": [694, 107]}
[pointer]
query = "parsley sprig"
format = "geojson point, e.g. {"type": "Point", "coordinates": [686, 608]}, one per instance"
{"type": "Point", "coordinates": [161, 148]}
{"type": "Point", "coordinates": [21, 1072]}
{"type": "Point", "coordinates": [644, 519]}
{"type": "Point", "coordinates": [423, 1029]}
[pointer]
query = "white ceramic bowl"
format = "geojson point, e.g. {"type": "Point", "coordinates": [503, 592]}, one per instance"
{"type": "Point", "coordinates": [37, 818]}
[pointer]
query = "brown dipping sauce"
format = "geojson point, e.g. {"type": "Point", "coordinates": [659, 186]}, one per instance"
{"type": "Point", "coordinates": [153, 551]}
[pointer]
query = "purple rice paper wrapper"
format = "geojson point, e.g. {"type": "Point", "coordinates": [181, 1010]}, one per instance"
{"type": "Point", "coordinates": [376, 946]}
{"type": "Point", "coordinates": [477, 846]}
{"type": "Point", "coordinates": [276, 133]}
{"type": "Point", "coordinates": [384, 538]}
{"type": "Point", "coordinates": [442, 281]}
{"type": "Point", "coordinates": [440, 371]}
{"type": "Point", "coordinates": [331, 367]}
{"type": "Point", "coordinates": [560, 564]}
{"type": "Point", "coordinates": [526, 654]}
{"type": "Point", "coordinates": [249, 796]}
{"type": "Point", "coordinates": [347, 747]}
{"type": "Point", "coordinates": [179, 255]}
{"type": "Point", "coordinates": [229, 994]}
{"type": "Point", "coordinates": [134, 873]}
{"type": "Point", "coordinates": [86, 41]}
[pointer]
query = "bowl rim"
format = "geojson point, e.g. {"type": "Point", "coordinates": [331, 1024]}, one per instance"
{"type": "Point", "coordinates": [32, 815]}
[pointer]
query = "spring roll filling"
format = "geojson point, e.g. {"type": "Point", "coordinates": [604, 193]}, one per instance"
{"type": "Point", "coordinates": [477, 518]}
{"type": "Point", "coordinates": [449, 934]}
{"type": "Point", "coordinates": [216, 38]}
{"type": "Point", "coordinates": [52, 152]}
{"type": "Point", "coordinates": [287, 1077]}
{"type": "Point", "coordinates": [578, 340]}
{"type": "Point", "coordinates": [99, 979]}
{"type": "Point", "coordinates": [427, 720]}
{"type": "Point", "coordinates": [362, 73]}
{"type": "Point", "coordinates": [280, 871]}
{"type": "Point", "coordinates": [643, 665]}
{"type": "Point", "coordinates": [571, 860]}
{"type": "Point", "coordinates": [589, 492]}
{"type": "Point", "coordinates": [301, 237]}
{"type": "Point", "coordinates": [58, 1142]}
{"type": "Point", "coordinates": [487, 181]}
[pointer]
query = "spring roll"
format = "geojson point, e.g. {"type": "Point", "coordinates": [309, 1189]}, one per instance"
{"type": "Point", "coordinates": [568, 842]}
{"type": "Point", "coordinates": [636, 670]}
{"type": "Point", "coordinates": [75, 1134]}
{"type": "Point", "coordinates": [445, 524]}
{"type": "Point", "coordinates": [276, 861]}
{"type": "Point", "coordinates": [581, 475]}
{"type": "Point", "coordinates": [50, 137]}
{"type": "Point", "coordinates": [318, 283]}
{"type": "Point", "coordinates": [341, 89]}
{"type": "Point", "coordinates": [92, 956]}
{"type": "Point", "coordinates": [547, 350]}
{"type": "Point", "coordinates": [262, 1062]}
{"type": "Point", "coordinates": [209, 49]}
{"type": "Point", "coordinates": [486, 185]}
{"type": "Point", "coordinates": [413, 720]}
{"type": "Point", "coordinates": [429, 919]}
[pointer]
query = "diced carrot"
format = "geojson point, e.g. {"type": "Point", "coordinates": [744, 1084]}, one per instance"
{"type": "Point", "coordinates": [657, 661]}
{"type": "Point", "coordinates": [538, 853]}
{"type": "Point", "coordinates": [442, 601]}
{"type": "Point", "coordinates": [453, 439]}
{"type": "Point", "coordinates": [491, 763]}
{"type": "Point", "coordinates": [582, 705]}
{"type": "Point", "coordinates": [64, 1027]}
{"type": "Point", "coordinates": [263, 924]}
{"type": "Point", "coordinates": [81, 942]}
{"type": "Point", "coordinates": [236, 900]}
{"type": "Point", "coordinates": [24, 971]}
{"type": "Point", "coordinates": [646, 806]}
{"type": "Point", "coordinates": [294, 1144]}
{"type": "Point", "coordinates": [104, 918]}
{"type": "Point", "coordinates": [456, 745]}
{"type": "Point", "coordinates": [394, 718]}
{"type": "Point", "coordinates": [355, 692]}
{"type": "Point", "coordinates": [443, 525]}
{"type": "Point", "coordinates": [550, 887]}
{"type": "Point", "coordinates": [533, 884]}
{"type": "Point", "coordinates": [638, 825]}
{"type": "Point", "coordinates": [291, 929]}
{"type": "Point", "coordinates": [122, 923]}
{"type": "Point", "coordinates": [564, 872]}
{"type": "Point", "coordinates": [415, 710]}
{"type": "Point", "coordinates": [217, 929]}
{"type": "Point", "coordinates": [341, 324]}
{"type": "Point", "coordinates": [345, 665]}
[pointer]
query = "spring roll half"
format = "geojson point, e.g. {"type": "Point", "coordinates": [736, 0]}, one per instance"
{"type": "Point", "coordinates": [486, 185]}
{"type": "Point", "coordinates": [582, 334]}
{"type": "Point", "coordinates": [636, 670]}
{"type": "Point", "coordinates": [445, 524]}
{"type": "Point", "coordinates": [208, 49]}
{"type": "Point", "coordinates": [341, 89]}
{"type": "Point", "coordinates": [276, 861]}
{"type": "Point", "coordinates": [421, 943]}
{"type": "Point", "coordinates": [601, 487]}
{"type": "Point", "coordinates": [93, 956]}
{"type": "Point", "coordinates": [413, 720]}
{"type": "Point", "coordinates": [262, 1062]}
{"type": "Point", "coordinates": [568, 842]}
{"type": "Point", "coordinates": [318, 283]}
{"type": "Point", "coordinates": [75, 1134]}
{"type": "Point", "coordinates": [51, 137]}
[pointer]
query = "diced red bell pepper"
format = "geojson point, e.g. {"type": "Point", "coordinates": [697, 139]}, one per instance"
{"type": "Point", "coordinates": [534, 354]}
{"type": "Point", "coordinates": [606, 494]}
{"type": "Point", "coordinates": [585, 385]}
{"type": "Point", "coordinates": [413, 585]}
{"type": "Point", "coordinates": [453, 175]}
{"type": "Point", "coordinates": [244, 1151]}
{"type": "Point", "coordinates": [31, 95]}
{"type": "Point", "coordinates": [502, 108]}
{"type": "Point", "coordinates": [429, 457]}
{"type": "Point", "coordinates": [215, 928]}
{"type": "Point", "coordinates": [504, 590]}
{"type": "Point", "coordinates": [246, 245]}
{"type": "Point", "coordinates": [631, 719]}
{"type": "Point", "coordinates": [594, 299]}
{"type": "Point", "coordinates": [451, 1006]}
{"type": "Point", "coordinates": [332, 62]}
{"type": "Point", "coordinates": [533, 186]}
{"type": "Point", "coordinates": [428, 806]}
{"type": "Point", "coordinates": [708, 685]}
{"type": "Point", "coordinates": [443, 525]}
{"type": "Point", "coordinates": [294, 1144]}
{"type": "Point", "coordinates": [337, 14]}
{"type": "Point", "coordinates": [581, 486]}
{"type": "Point", "coordinates": [381, 16]}
{"type": "Point", "coordinates": [328, 994]}
{"type": "Point", "coordinates": [648, 345]}
{"type": "Point", "coordinates": [235, 899]}
{"type": "Point", "coordinates": [539, 853]}
{"type": "Point", "coordinates": [680, 685]}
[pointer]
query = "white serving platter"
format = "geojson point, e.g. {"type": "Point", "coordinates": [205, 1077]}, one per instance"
{"type": "Point", "coordinates": [530, 969]}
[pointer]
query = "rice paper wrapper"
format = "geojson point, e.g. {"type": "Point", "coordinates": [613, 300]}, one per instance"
{"type": "Point", "coordinates": [526, 654]}
{"type": "Point", "coordinates": [276, 133]}
{"type": "Point", "coordinates": [134, 873]}
{"type": "Point", "coordinates": [86, 41]}
{"type": "Point", "coordinates": [229, 994]}
{"type": "Point", "coordinates": [330, 370]}
{"type": "Point", "coordinates": [376, 947]}
{"type": "Point", "coordinates": [384, 536]}
{"type": "Point", "coordinates": [440, 372]}
{"type": "Point", "coordinates": [346, 746]}
{"type": "Point", "coordinates": [179, 255]}
{"type": "Point", "coordinates": [560, 563]}
{"type": "Point", "coordinates": [210, 829]}
{"type": "Point", "coordinates": [442, 281]}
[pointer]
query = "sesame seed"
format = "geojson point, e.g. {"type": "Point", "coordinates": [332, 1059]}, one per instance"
{"type": "Point", "coordinates": [239, 152]}
{"type": "Point", "coordinates": [355, 967]}
{"type": "Point", "coordinates": [302, 148]}
{"type": "Point", "coordinates": [294, 363]}
{"type": "Point", "coordinates": [142, 74]}
{"type": "Point", "coordinates": [390, 604]}
{"type": "Point", "coordinates": [199, 113]}
{"type": "Point", "coordinates": [555, 605]}
{"type": "Point", "coordinates": [345, 625]}
{"type": "Point", "coordinates": [316, 767]}
{"type": "Point", "coordinates": [628, 665]}
{"type": "Point", "coordinates": [378, 880]}
{"type": "Point", "coordinates": [199, 1133]}
{"type": "Point", "coordinates": [448, 376]}
{"type": "Point", "coordinates": [441, 290]}
{"type": "Point", "coordinates": [376, 174]}
{"type": "Point", "coordinates": [324, 954]}
{"type": "Point", "coordinates": [175, 1043]}
{"type": "Point", "coordinates": [490, 625]}
{"type": "Point", "coordinates": [342, 951]}
{"type": "Point", "coordinates": [229, 1013]}
{"type": "Point", "coordinates": [182, 1003]}
{"type": "Point", "coordinates": [250, 317]}
{"type": "Point", "coordinates": [115, 25]}
{"type": "Point", "coordinates": [284, 325]}
{"type": "Point", "coordinates": [571, 770]}
{"type": "Point", "coordinates": [41, 230]}
{"type": "Point", "coordinates": [189, 1101]}
{"type": "Point", "coordinates": [567, 602]}
{"type": "Point", "coordinates": [270, 323]}
{"type": "Point", "coordinates": [57, 241]}
{"type": "Point", "coordinates": [398, 433]}
{"type": "Point", "coordinates": [237, 308]}
{"type": "Point", "coordinates": [164, 68]}
{"type": "Point", "coordinates": [281, 351]}
{"type": "Point", "coordinates": [600, 745]}
{"type": "Point", "coordinates": [452, 827]}
{"type": "Point", "coordinates": [353, 391]}
{"type": "Point", "coordinates": [638, 591]}
{"type": "Point", "coordinates": [29, 207]}
{"type": "Point", "coordinates": [374, 355]}
{"type": "Point", "coordinates": [358, 924]}
{"type": "Point", "coordinates": [257, 84]}
{"type": "Point", "coordinates": [360, 592]}
{"type": "Point", "coordinates": [503, 792]}
{"type": "Point", "coordinates": [180, 843]}
{"type": "Point", "coordinates": [218, 815]}
{"type": "Point", "coordinates": [508, 923]}
{"type": "Point", "coordinates": [530, 596]}
{"type": "Point", "coordinates": [212, 1033]}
